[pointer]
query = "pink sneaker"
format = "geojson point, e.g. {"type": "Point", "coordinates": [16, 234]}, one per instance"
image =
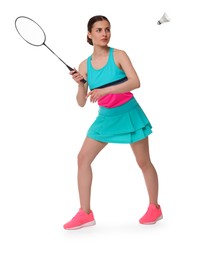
{"type": "Point", "coordinates": [81, 219]}
{"type": "Point", "coordinates": [152, 215]}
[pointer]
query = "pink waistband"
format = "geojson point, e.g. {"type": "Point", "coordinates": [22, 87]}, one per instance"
{"type": "Point", "coordinates": [114, 100]}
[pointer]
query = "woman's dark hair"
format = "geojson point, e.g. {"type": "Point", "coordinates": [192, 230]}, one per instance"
{"type": "Point", "coordinates": [91, 22]}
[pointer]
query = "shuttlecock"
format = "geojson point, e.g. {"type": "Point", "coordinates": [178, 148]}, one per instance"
{"type": "Point", "coordinates": [164, 19]}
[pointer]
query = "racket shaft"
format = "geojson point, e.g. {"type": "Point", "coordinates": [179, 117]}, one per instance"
{"type": "Point", "coordinates": [70, 68]}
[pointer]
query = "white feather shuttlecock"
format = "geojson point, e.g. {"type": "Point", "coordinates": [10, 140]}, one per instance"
{"type": "Point", "coordinates": [163, 19]}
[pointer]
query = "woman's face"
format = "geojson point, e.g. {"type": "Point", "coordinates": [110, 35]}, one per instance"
{"type": "Point", "coordinates": [100, 33]}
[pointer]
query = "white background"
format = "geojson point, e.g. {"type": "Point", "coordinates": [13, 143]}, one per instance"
{"type": "Point", "coordinates": [42, 129]}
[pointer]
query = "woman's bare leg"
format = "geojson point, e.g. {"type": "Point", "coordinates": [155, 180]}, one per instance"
{"type": "Point", "coordinates": [87, 154]}
{"type": "Point", "coordinates": [141, 152]}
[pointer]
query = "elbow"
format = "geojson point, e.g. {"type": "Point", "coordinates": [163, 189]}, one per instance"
{"type": "Point", "coordinates": [138, 84]}
{"type": "Point", "coordinates": [81, 103]}
{"type": "Point", "coordinates": [134, 84]}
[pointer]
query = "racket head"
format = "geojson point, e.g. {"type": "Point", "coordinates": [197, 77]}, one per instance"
{"type": "Point", "coordinates": [30, 31]}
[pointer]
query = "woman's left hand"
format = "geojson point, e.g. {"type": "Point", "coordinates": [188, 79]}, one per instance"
{"type": "Point", "coordinates": [96, 94]}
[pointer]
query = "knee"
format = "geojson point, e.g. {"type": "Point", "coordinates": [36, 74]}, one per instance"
{"type": "Point", "coordinates": [82, 158]}
{"type": "Point", "coordinates": [144, 164]}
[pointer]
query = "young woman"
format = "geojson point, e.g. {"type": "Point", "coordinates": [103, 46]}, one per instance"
{"type": "Point", "coordinates": [111, 79]}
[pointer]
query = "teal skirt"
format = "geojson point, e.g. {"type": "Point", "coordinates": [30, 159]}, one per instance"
{"type": "Point", "coordinates": [124, 124]}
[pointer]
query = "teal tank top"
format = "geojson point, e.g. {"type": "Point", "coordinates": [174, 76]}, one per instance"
{"type": "Point", "coordinates": [108, 75]}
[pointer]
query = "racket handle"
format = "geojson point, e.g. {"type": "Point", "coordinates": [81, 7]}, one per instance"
{"type": "Point", "coordinates": [70, 68]}
{"type": "Point", "coordinates": [83, 81]}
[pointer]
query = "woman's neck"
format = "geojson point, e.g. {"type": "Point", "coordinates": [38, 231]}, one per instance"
{"type": "Point", "coordinates": [100, 52]}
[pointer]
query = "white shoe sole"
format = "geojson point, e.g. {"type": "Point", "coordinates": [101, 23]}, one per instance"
{"type": "Point", "coordinates": [92, 223]}
{"type": "Point", "coordinates": [150, 223]}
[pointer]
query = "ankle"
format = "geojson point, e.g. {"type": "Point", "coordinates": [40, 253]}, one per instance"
{"type": "Point", "coordinates": [86, 210]}
{"type": "Point", "coordinates": [155, 204]}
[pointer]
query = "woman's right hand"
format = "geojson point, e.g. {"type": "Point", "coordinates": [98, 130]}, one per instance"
{"type": "Point", "coordinates": [76, 76]}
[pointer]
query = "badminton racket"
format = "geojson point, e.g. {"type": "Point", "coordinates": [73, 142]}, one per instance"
{"type": "Point", "coordinates": [32, 33]}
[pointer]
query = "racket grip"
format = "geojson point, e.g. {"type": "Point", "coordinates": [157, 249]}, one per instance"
{"type": "Point", "coordinates": [70, 68]}
{"type": "Point", "coordinates": [83, 81]}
